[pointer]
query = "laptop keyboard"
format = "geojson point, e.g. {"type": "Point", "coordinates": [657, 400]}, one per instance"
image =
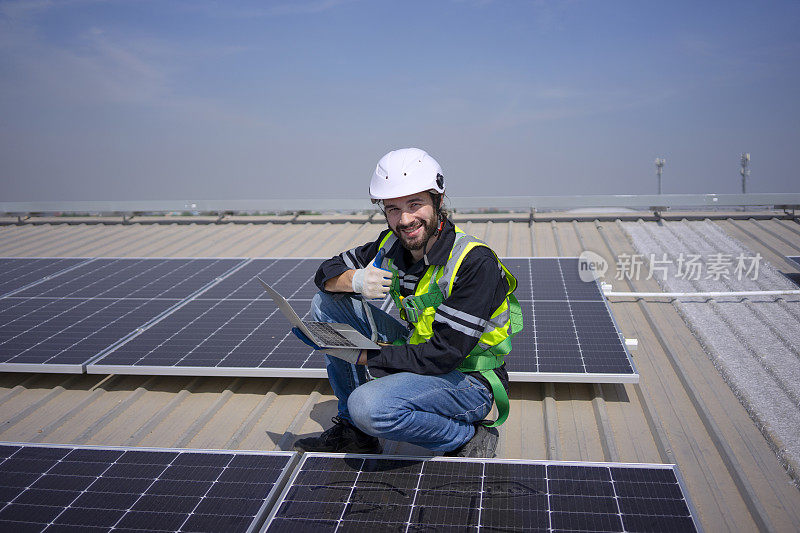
{"type": "Point", "coordinates": [329, 336]}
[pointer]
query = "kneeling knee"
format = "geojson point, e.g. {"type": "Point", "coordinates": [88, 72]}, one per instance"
{"type": "Point", "coordinates": [373, 415]}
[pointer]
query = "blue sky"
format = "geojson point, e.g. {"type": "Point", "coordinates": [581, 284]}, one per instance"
{"type": "Point", "coordinates": [138, 99]}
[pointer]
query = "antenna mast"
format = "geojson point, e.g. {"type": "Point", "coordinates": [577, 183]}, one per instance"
{"type": "Point", "coordinates": [745, 170]}
{"type": "Point", "coordinates": [659, 169]}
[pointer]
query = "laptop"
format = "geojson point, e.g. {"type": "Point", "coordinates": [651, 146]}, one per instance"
{"type": "Point", "coordinates": [323, 334]}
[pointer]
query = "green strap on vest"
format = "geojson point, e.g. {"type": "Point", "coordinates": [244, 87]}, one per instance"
{"type": "Point", "coordinates": [415, 305]}
{"type": "Point", "coordinates": [485, 361]}
{"type": "Point", "coordinates": [486, 364]}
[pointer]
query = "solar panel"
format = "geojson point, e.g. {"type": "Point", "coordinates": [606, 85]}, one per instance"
{"type": "Point", "coordinates": [60, 323]}
{"type": "Point", "coordinates": [81, 488]}
{"type": "Point", "coordinates": [570, 334]}
{"type": "Point", "coordinates": [18, 273]}
{"type": "Point", "coordinates": [233, 328]}
{"type": "Point", "coordinates": [332, 492]}
{"type": "Point", "coordinates": [795, 258]}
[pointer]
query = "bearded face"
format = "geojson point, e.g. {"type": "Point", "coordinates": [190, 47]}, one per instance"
{"type": "Point", "coordinates": [413, 219]}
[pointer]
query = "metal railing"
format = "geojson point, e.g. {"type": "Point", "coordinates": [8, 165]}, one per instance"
{"type": "Point", "coordinates": [652, 202]}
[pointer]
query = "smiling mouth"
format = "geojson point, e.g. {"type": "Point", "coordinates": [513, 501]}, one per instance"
{"type": "Point", "coordinates": [413, 232]}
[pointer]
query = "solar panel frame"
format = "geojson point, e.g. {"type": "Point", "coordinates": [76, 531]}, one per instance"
{"type": "Point", "coordinates": [374, 483]}
{"type": "Point", "coordinates": [190, 474]}
{"type": "Point", "coordinates": [177, 301]}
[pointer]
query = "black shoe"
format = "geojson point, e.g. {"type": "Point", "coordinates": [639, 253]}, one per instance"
{"type": "Point", "coordinates": [342, 437]}
{"type": "Point", "coordinates": [482, 444]}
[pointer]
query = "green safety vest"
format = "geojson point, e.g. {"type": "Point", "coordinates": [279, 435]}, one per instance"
{"type": "Point", "coordinates": [433, 288]}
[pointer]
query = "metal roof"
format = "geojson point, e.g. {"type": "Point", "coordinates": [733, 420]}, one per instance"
{"type": "Point", "coordinates": [682, 411]}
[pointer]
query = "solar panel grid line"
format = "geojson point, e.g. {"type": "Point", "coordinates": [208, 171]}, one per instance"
{"type": "Point", "coordinates": [265, 320]}
{"type": "Point", "coordinates": [533, 319]}
{"type": "Point", "coordinates": [616, 500]}
{"type": "Point", "coordinates": [232, 278]}
{"type": "Point", "coordinates": [96, 280]}
{"type": "Point", "coordinates": [413, 503]}
{"type": "Point", "coordinates": [572, 317]}
{"type": "Point", "coordinates": [577, 495]}
{"type": "Point", "coordinates": [621, 339]}
{"type": "Point", "coordinates": [205, 494]}
{"type": "Point", "coordinates": [230, 496]}
{"type": "Point", "coordinates": [5, 459]}
{"type": "Point", "coordinates": [150, 486]}
{"type": "Point", "coordinates": [480, 495]}
{"type": "Point", "coordinates": [311, 352]}
{"type": "Point", "coordinates": [286, 336]}
{"type": "Point", "coordinates": [81, 261]}
{"type": "Point", "coordinates": [179, 360]}
{"type": "Point", "coordinates": [349, 498]}
{"type": "Point", "coordinates": [549, 503]}
{"type": "Point", "coordinates": [78, 341]}
{"type": "Point", "coordinates": [214, 300]}
{"type": "Point", "coordinates": [69, 505]}
{"type": "Point", "coordinates": [109, 268]}
{"type": "Point", "coordinates": [167, 312]}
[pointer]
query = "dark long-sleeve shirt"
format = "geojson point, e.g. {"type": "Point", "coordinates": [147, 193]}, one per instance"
{"type": "Point", "coordinates": [479, 288]}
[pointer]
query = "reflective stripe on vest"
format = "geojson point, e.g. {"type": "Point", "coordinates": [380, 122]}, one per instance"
{"type": "Point", "coordinates": [434, 287]}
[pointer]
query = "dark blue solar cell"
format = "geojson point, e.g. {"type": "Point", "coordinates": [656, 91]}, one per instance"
{"type": "Point", "coordinates": [83, 517]}
{"type": "Point", "coordinates": [96, 498]}
{"type": "Point", "coordinates": [29, 513]}
{"type": "Point", "coordinates": [22, 527]}
{"type": "Point", "coordinates": [44, 497]}
{"type": "Point", "coordinates": [199, 522]}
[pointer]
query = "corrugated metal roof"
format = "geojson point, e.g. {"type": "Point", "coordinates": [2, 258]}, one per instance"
{"type": "Point", "coordinates": [682, 411]}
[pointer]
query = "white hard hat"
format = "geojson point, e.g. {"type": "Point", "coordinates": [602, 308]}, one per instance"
{"type": "Point", "coordinates": [403, 172]}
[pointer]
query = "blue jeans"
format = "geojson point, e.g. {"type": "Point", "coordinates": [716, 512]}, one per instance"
{"type": "Point", "coordinates": [436, 412]}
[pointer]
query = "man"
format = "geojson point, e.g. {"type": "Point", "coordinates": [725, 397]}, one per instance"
{"type": "Point", "coordinates": [435, 378]}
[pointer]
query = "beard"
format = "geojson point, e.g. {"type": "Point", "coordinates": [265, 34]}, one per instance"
{"type": "Point", "coordinates": [418, 242]}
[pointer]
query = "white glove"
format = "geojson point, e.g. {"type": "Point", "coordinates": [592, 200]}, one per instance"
{"type": "Point", "coordinates": [372, 282]}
